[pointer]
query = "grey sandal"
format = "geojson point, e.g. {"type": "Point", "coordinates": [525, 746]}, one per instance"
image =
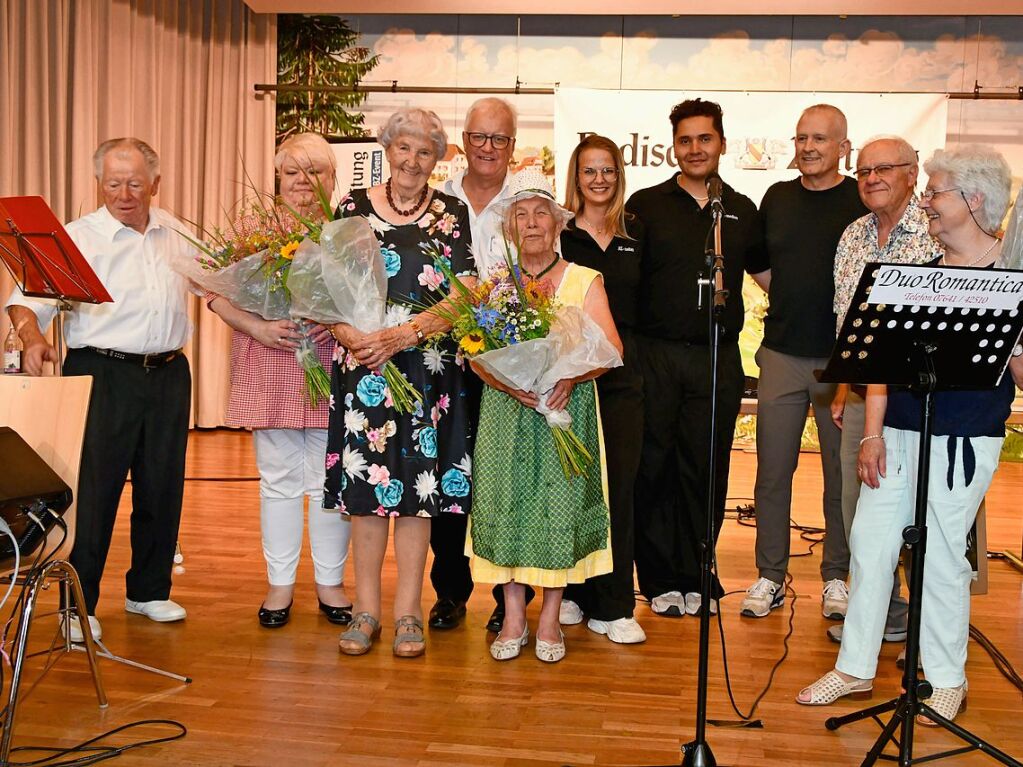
{"type": "Point", "coordinates": [355, 641]}
{"type": "Point", "coordinates": [408, 629]}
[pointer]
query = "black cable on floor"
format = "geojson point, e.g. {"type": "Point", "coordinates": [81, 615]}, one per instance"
{"type": "Point", "coordinates": [1003, 664]}
{"type": "Point", "coordinates": [95, 753]}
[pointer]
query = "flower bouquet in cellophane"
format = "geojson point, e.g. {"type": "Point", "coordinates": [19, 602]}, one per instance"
{"type": "Point", "coordinates": [248, 261]}
{"type": "Point", "coordinates": [513, 327]}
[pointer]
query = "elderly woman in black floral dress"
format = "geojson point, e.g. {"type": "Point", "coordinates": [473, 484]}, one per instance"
{"type": "Point", "coordinates": [381, 463]}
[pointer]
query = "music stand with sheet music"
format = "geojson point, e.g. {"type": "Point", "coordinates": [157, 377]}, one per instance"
{"type": "Point", "coordinates": [928, 328]}
{"type": "Point", "coordinates": [44, 261]}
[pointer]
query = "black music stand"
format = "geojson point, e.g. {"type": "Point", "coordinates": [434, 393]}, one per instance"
{"type": "Point", "coordinates": [927, 328]}
{"type": "Point", "coordinates": [44, 261]}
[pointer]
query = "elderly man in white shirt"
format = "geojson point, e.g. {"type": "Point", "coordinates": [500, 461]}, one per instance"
{"type": "Point", "coordinates": [489, 141]}
{"type": "Point", "coordinates": [138, 412]}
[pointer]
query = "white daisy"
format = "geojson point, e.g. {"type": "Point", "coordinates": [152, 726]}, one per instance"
{"type": "Point", "coordinates": [355, 422]}
{"type": "Point", "coordinates": [377, 224]}
{"type": "Point", "coordinates": [465, 465]}
{"type": "Point", "coordinates": [397, 314]}
{"type": "Point", "coordinates": [353, 463]}
{"type": "Point", "coordinates": [433, 358]}
{"type": "Point", "coordinates": [426, 485]}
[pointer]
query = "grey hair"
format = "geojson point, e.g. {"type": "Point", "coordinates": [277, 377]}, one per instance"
{"type": "Point", "coordinates": [494, 103]}
{"type": "Point", "coordinates": [148, 154]}
{"type": "Point", "coordinates": [977, 169]}
{"type": "Point", "coordinates": [837, 114]}
{"type": "Point", "coordinates": [310, 146]}
{"type": "Point", "coordinates": [906, 151]}
{"type": "Point", "coordinates": [415, 123]}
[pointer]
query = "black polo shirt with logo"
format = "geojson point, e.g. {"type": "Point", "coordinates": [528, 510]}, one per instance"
{"type": "Point", "coordinates": [675, 258]}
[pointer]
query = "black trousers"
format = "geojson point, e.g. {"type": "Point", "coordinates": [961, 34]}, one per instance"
{"type": "Point", "coordinates": [672, 486]}
{"type": "Point", "coordinates": [138, 421]}
{"type": "Point", "coordinates": [450, 574]}
{"type": "Point", "coordinates": [620, 391]}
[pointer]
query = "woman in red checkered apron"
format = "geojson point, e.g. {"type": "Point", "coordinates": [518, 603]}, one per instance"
{"type": "Point", "coordinates": [289, 436]}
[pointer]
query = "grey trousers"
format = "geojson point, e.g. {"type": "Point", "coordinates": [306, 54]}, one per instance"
{"type": "Point", "coordinates": [852, 432]}
{"type": "Point", "coordinates": [786, 390]}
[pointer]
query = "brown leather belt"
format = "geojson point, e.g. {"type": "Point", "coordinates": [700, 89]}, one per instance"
{"type": "Point", "coordinates": [148, 361]}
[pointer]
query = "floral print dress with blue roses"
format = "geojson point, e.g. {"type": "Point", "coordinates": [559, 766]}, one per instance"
{"type": "Point", "coordinates": [380, 462]}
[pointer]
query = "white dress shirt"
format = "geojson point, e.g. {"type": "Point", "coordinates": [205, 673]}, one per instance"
{"type": "Point", "coordinates": [487, 236]}
{"type": "Point", "coordinates": [149, 313]}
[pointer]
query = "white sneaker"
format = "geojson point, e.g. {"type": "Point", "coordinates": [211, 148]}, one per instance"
{"type": "Point", "coordinates": [762, 597]}
{"type": "Point", "coordinates": [75, 629]}
{"type": "Point", "coordinates": [835, 599]}
{"type": "Point", "coordinates": [570, 613]}
{"type": "Point", "coordinates": [671, 604]}
{"type": "Point", "coordinates": [622, 630]}
{"type": "Point", "coordinates": [159, 610]}
{"type": "Point", "coordinates": [693, 602]}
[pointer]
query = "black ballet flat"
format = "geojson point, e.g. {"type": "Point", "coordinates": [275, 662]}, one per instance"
{"type": "Point", "coordinates": [340, 616]}
{"type": "Point", "coordinates": [274, 619]}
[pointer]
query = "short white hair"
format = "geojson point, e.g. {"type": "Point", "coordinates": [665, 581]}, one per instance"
{"type": "Point", "coordinates": [417, 123]}
{"type": "Point", "coordinates": [493, 102]}
{"type": "Point", "coordinates": [977, 169]}
{"type": "Point", "coordinates": [305, 146]}
{"type": "Point", "coordinates": [128, 142]}
{"type": "Point", "coordinates": [906, 151]}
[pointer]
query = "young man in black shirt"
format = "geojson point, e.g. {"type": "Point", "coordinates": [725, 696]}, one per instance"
{"type": "Point", "coordinates": [803, 220]}
{"type": "Point", "coordinates": [674, 359]}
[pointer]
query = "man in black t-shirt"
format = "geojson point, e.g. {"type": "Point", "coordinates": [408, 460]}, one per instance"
{"type": "Point", "coordinates": [674, 359]}
{"type": "Point", "coordinates": [803, 220]}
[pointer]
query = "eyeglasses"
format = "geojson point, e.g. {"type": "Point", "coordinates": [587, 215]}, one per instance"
{"type": "Point", "coordinates": [591, 173]}
{"type": "Point", "coordinates": [883, 170]}
{"type": "Point", "coordinates": [497, 140]}
{"type": "Point", "coordinates": [928, 194]}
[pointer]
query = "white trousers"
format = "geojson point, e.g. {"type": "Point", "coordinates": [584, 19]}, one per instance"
{"type": "Point", "coordinates": [291, 465]}
{"type": "Point", "coordinates": [876, 540]}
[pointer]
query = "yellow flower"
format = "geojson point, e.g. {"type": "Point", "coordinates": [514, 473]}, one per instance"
{"type": "Point", "coordinates": [288, 251]}
{"type": "Point", "coordinates": [472, 342]}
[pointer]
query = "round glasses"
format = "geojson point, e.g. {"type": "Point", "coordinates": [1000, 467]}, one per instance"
{"type": "Point", "coordinates": [591, 173]}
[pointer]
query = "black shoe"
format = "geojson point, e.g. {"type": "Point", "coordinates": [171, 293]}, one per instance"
{"type": "Point", "coordinates": [496, 619]}
{"type": "Point", "coordinates": [446, 614]}
{"type": "Point", "coordinates": [339, 616]}
{"type": "Point", "coordinates": [274, 619]}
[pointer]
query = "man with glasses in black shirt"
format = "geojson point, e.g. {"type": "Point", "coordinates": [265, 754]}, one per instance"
{"type": "Point", "coordinates": [674, 357]}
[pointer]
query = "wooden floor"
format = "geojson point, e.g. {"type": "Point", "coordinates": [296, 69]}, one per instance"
{"type": "Point", "coordinates": [287, 698]}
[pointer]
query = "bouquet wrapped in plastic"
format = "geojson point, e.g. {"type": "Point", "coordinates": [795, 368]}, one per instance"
{"type": "Point", "coordinates": [342, 279]}
{"type": "Point", "coordinates": [248, 262]}
{"type": "Point", "coordinates": [517, 332]}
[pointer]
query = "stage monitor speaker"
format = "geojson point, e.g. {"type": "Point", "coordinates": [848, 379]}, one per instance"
{"type": "Point", "coordinates": [32, 496]}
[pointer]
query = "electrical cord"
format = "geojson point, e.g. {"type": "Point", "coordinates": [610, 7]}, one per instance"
{"type": "Point", "coordinates": [99, 753]}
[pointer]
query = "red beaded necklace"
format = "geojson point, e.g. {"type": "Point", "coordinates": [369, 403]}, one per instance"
{"type": "Point", "coordinates": [414, 208]}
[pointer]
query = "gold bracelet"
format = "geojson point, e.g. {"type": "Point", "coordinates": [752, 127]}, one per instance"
{"type": "Point", "coordinates": [419, 331]}
{"type": "Point", "coordinates": [870, 437]}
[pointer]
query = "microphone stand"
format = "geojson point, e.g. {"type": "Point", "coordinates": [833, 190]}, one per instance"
{"type": "Point", "coordinates": [697, 753]}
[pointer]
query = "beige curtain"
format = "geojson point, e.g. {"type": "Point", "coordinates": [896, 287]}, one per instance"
{"type": "Point", "coordinates": [174, 73]}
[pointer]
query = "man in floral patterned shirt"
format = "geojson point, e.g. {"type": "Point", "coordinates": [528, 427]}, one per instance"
{"type": "Point", "coordinates": [895, 231]}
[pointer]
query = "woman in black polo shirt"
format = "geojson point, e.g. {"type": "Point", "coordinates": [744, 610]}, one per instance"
{"type": "Point", "coordinates": [604, 237]}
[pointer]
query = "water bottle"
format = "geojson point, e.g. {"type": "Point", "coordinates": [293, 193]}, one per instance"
{"type": "Point", "coordinates": [12, 352]}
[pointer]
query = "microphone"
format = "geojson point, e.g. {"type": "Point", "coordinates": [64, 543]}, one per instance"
{"type": "Point", "coordinates": [715, 188]}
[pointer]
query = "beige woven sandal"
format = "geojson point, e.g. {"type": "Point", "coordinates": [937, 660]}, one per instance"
{"type": "Point", "coordinates": [506, 649]}
{"type": "Point", "coordinates": [947, 702]}
{"type": "Point", "coordinates": [551, 652]}
{"type": "Point", "coordinates": [831, 687]}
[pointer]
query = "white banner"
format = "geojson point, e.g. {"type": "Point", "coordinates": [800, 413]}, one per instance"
{"type": "Point", "coordinates": [916, 286]}
{"type": "Point", "coordinates": [758, 129]}
{"type": "Point", "coordinates": [360, 165]}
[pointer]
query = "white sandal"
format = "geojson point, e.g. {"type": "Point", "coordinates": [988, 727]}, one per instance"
{"type": "Point", "coordinates": [947, 702]}
{"type": "Point", "coordinates": [506, 649]}
{"type": "Point", "coordinates": [551, 652]}
{"type": "Point", "coordinates": [831, 687]}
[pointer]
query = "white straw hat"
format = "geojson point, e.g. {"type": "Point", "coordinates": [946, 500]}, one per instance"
{"type": "Point", "coordinates": [531, 182]}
